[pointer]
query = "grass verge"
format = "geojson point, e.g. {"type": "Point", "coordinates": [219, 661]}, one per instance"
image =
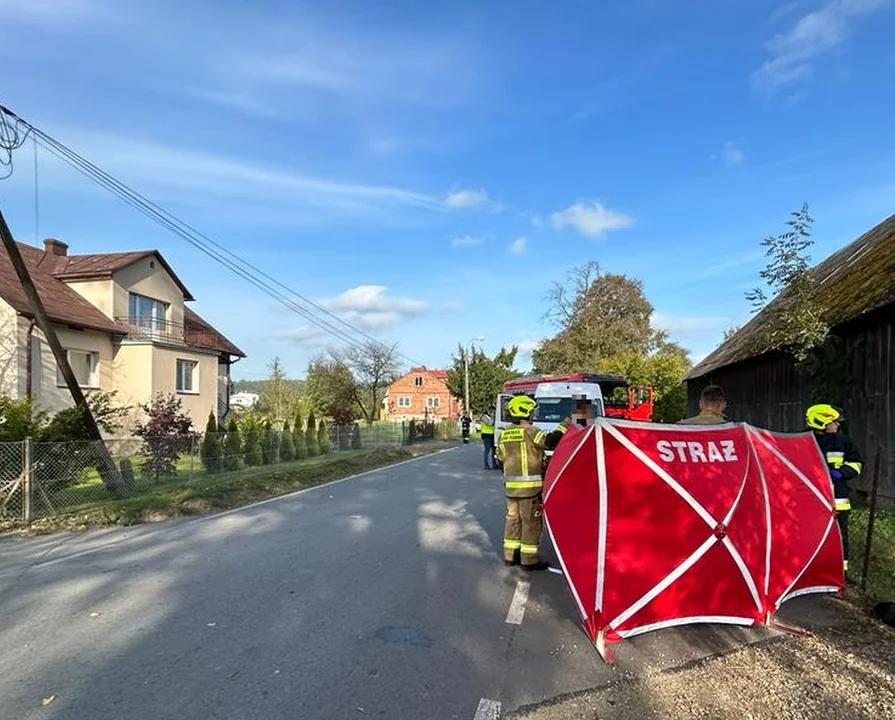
{"type": "Point", "coordinates": [216, 493]}
{"type": "Point", "coordinates": [881, 572]}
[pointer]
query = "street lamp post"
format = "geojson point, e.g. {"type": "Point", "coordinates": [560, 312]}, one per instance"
{"type": "Point", "coordinates": [466, 373]}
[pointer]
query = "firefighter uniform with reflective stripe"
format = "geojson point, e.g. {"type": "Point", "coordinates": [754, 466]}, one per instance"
{"type": "Point", "coordinates": [844, 463]}
{"type": "Point", "coordinates": [521, 450]}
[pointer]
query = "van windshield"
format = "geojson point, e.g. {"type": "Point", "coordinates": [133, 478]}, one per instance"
{"type": "Point", "coordinates": [557, 409]}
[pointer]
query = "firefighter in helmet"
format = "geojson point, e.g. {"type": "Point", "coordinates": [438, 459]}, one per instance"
{"type": "Point", "coordinates": [842, 457]}
{"type": "Point", "coordinates": [521, 451]}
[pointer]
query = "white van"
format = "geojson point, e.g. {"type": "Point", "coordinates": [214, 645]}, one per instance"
{"type": "Point", "coordinates": [555, 396]}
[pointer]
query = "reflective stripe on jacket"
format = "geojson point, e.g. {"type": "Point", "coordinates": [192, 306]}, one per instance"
{"type": "Point", "coordinates": [521, 451]}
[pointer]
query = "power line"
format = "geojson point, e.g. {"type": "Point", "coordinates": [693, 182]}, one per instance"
{"type": "Point", "coordinates": [12, 137]}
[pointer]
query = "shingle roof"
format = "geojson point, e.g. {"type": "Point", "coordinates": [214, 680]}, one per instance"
{"type": "Point", "coordinates": [82, 267]}
{"type": "Point", "coordinates": [201, 333]}
{"type": "Point", "coordinates": [853, 281]}
{"type": "Point", "coordinates": [62, 304]}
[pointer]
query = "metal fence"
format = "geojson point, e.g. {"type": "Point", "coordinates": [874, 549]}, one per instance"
{"type": "Point", "coordinates": [872, 537]}
{"type": "Point", "coordinates": [44, 479]}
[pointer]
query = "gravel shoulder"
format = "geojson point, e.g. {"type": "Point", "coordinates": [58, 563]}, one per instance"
{"type": "Point", "coordinates": [846, 670]}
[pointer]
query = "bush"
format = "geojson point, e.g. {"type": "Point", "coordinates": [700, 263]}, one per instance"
{"type": "Point", "coordinates": [232, 447]}
{"type": "Point", "coordinates": [311, 436]}
{"type": "Point", "coordinates": [212, 452]}
{"type": "Point", "coordinates": [127, 473]}
{"type": "Point", "coordinates": [254, 454]}
{"type": "Point", "coordinates": [269, 451]}
{"type": "Point", "coordinates": [287, 444]}
{"type": "Point", "coordinates": [323, 438]}
{"type": "Point", "coordinates": [166, 433]}
{"type": "Point", "coordinates": [298, 438]}
{"type": "Point", "coordinates": [411, 431]}
{"type": "Point", "coordinates": [355, 437]}
{"type": "Point", "coordinates": [18, 420]}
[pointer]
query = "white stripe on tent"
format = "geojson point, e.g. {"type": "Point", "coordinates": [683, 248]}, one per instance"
{"type": "Point", "coordinates": [796, 472]}
{"type": "Point", "coordinates": [744, 571]}
{"type": "Point", "coordinates": [688, 498]}
{"type": "Point", "coordinates": [813, 590]}
{"type": "Point", "coordinates": [602, 519]}
{"type": "Point", "coordinates": [798, 577]}
{"type": "Point", "coordinates": [565, 571]}
{"type": "Point", "coordinates": [734, 553]}
{"type": "Point", "coordinates": [571, 457]}
{"type": "Point", "coordinates": [720, 619]}
{"type": "Point", "coordinates": [703, 513]}
{"type": "Point", "coordinates": [665, 583]}
{"type": "Point", "coordinates": [767, 511]}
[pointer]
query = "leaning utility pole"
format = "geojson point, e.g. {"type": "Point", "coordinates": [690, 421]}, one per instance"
{"type": "Point", "coordinates": [106, 465]}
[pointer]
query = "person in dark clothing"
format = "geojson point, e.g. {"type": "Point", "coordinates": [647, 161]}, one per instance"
{"type": "Point", "coordinates": [843, 461]}
{"type": "Point", "coordinates": [464, 426]}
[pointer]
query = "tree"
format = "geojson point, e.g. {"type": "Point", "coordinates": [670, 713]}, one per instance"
{"type": "Point", "coordinates": [233, 459]}
{"type": "Point", "coordinates": [287, 444]}
{"type": "Point", "coordinates": [269, 451]}
{"type": "Point", "coordinates": [355, 437]}
{"type": "Point", "coordinates": [211, 446]}
{"type": "Point", "coordinates": [311, 436]}
{"type": "Point", "coordinates": [729, 333]}
{"type": "Point", "coordinates": [167, 431]}
{"type": "Point", "coordinates": [278, 396]}
{"type": "Point", "coordinates": [298, 437]}
{"type": "Point", "coordinates": [373, 366]}
{"type": "Point", "coordinates": [323, 438]}
{"type": "Point", "coordinates": [598, 315]}
{"type": "Point", "coordinates": [796, 323]}
{"type": "Point", "coordinates": [332, 389]}
{"type": "Point", "coordinates": [486, 376]}
{"type": "Point", "coordinates": [664, 369]}
{"type": "Point", "coordinates": [252, 449]}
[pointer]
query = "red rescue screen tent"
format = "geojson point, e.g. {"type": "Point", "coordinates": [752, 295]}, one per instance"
{"type": "Point", "coordinates": [664, 525]}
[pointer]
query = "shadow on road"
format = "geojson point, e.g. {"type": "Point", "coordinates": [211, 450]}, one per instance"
{"type": "Point", "coordinates": [383, 596]}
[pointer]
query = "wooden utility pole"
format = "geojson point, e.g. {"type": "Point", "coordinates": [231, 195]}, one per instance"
{"type": "Point", "coordinates": [106, 465]}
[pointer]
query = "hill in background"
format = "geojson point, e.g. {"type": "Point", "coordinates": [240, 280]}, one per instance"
{"type": "Point", "coordinates": [259, 386]}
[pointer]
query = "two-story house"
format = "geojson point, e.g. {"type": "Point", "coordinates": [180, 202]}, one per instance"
{"type": "Point", "coordinates": [421, 394]}
{"type": "Point", "coordinates": [123, 320]}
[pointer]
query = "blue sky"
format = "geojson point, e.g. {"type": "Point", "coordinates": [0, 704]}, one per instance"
{"type": "Point", "coordinates": [426, 170]}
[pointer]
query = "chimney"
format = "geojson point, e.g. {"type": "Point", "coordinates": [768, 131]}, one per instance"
{"type": "Point", "coordinates": [55, 247]}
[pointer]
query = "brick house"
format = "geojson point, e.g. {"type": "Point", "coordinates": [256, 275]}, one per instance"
{"type": "Point", "coordinates": [421, 394]}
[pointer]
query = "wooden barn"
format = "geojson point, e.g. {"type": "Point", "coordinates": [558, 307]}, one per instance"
{"type": "Point", "coordinates": [855, 288]}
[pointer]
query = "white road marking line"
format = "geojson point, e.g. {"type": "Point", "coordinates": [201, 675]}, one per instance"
{"type": "Point", "coordinates": [487, 710]}
{"type": "Point", "coordinates": [517, 606]}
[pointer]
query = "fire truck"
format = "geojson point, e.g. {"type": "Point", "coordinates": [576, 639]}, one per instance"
{"type": "Point", "coordinates": [608, 395]}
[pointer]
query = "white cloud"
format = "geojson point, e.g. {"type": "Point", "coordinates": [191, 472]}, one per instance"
{"type": "Point", "coordinates": [537, 221]}
{"type": "Point", "coordinates": [466, 241]}
{"type": "Point", "coordinates": [591, 219]}
{"type": "Point", "coordinates": [366, 307]}
{"type": "Point", "coordinates": [791, 53]}
{"type": "Point", "coordinates": [467, 198]}
{"type": "Point", "coordinates": [731, 154]}
{"type": "Point", "coordinates": [183, 173]}
{"type": "Point", "coordinates": [518, 245]}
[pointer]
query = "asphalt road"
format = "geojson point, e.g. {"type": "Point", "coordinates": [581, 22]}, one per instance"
{"type": "Point", "coordinates": [378, 596]}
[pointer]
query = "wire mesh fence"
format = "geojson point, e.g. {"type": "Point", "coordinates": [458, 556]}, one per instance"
{"type": "Point", "coordinates": [872, 538]}
{"type": "Point", "coordinates": [45, 479]}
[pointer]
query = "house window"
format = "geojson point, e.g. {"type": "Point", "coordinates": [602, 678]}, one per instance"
{"type": "Point", "coordinates": [145, 312]}
{"type": "Point", "coordinates": [418, 381]}
{"type": "Point", "coordinates": [85, 366]}
{"type": "Point", "coordinates": [187, 380]}
{"type": "Point", "coordinates": [404, 401]}
{"type": "Point", "coordinates": [432, 402]}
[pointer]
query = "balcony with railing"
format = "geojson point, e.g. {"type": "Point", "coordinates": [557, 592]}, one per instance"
{"type": "Point", "coordinates": [148, 329]}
